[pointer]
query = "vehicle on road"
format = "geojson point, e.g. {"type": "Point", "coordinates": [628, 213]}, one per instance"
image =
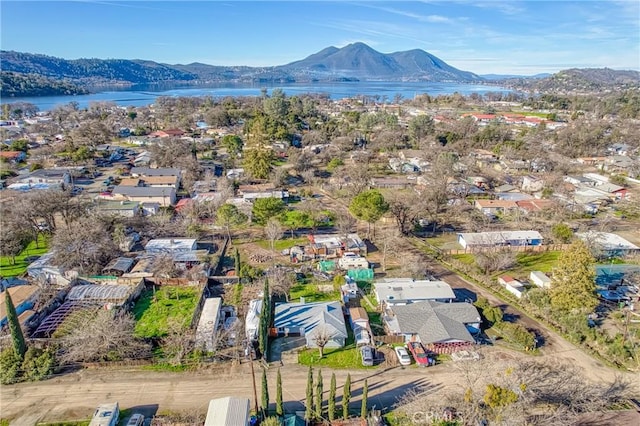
{"type": "Point", "coordinates": [420, 355]}
{"type": "Point", "coordinates": [366, 353]}
{"type": "Point", "coordinates": [403, 355]}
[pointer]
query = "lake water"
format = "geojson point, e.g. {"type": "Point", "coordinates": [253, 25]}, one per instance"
{"type": "Point", "coordinates": [339, 90]}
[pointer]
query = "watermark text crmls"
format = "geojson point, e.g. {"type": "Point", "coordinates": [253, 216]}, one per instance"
{"type": "Point", "coordinates": [429, 417]}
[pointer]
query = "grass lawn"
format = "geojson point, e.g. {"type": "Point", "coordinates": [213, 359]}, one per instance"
{"type": "Point", "coordinates": [154, 313]}
{"type": "Point", "coordinates": [536, 261]}
{"type": "Point", "coordinates": [8, 270]}
{"type": "Point", "coordinates": [347, 357]}
{"type": "Point", "coordinates": [311, 293]}
{"type": "Point", "coordinates": [280, 245]}
{"type": "Point", "coordinates": [466, 258]}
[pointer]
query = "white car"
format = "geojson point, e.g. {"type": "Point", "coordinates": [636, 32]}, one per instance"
{"type": "Point", "coordinates": [403, 355]}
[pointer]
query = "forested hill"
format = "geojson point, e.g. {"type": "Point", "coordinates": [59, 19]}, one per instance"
{"type": "Point", "coordinates": [579, 80]}
{"type": "Point", "coordinates": [18, 84]}
{"type": "Point", "coordinates": [93, 71]}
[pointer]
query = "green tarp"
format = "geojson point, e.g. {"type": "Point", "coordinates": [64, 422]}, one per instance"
{"type": "Point", "coordinates": [327, 265]}
{"type": "Point", "coordinates": [360, 274]}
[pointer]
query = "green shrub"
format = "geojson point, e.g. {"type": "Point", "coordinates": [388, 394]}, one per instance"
{"type": "Point", "coordinates": [9, 367]}
{"type": "Point", "coordinates": [38, 363]}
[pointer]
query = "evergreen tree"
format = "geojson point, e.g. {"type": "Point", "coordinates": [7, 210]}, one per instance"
{"type": "Point", "coordinates": [319, 391]}
{"type": "Point", "coordinates": [346, 397]}
{"type": "Point", "coordinates": [265, 394]}
{"type": "Point", "coordinates": [265, 319]}
{"type": "Point", "coordinates": [332, 398]}
{"type": "Point", "coordinates": [308, 411]}
{"type": "Point", "coordinates": [237, 265]}
{"type": "Point", "coordinates": [279, 403]}
{"type": "Point", "coordinates": [17, 338]}
{"type": "Point", "coordinates": [573, 286]}
{"type": "Point", "coordinates": [363, 408]}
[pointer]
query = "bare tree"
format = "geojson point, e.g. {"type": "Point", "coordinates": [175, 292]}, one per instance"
{"type": "Point", "coordinates": [163, 266]}
{"type": "Point", "coordinates": [106, 336]}
{"type": "Point", "coordinates": [281, 283]}
{"type": "Point", "coordinates": [517, 392]}
{"type": "Point", "coordinates": [85, 245]}
{"type": "Point", "coordinates": [321, 336]}
{"type": "Point", "coordinates": [345, 223]}
{"type": "Point", "coordinates": [386, 242]}
{"type": "Point", "coordinates": [177, 343]}
{"type": "Point", "coordinates": [273, 232]}
{"type": "Point", "coordinates": [492, 259]}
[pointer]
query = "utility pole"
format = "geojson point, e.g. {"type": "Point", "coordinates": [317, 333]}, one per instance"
{"type": "Point", "coordinates": [253, 378]}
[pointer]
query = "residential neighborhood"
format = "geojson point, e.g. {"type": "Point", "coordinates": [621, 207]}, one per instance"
{"type": "Point", "coordinates": [267, 247]}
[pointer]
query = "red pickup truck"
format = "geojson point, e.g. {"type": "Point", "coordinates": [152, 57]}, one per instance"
{"type": "Point", "coordinates": [420, 355]}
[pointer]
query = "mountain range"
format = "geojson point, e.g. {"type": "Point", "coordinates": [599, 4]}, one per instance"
{"type": "Point", "coordinates": [27, 74]}
{"type": "Point", "coordinates": [354, 62]}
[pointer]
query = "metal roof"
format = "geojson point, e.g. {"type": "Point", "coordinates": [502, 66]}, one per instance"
{"type": "Point", "coordinates": [406, 289]}
{"type": "Point", "coordinates": [114, 293]}
{"type": "Point", "coordinates": [228, 411]}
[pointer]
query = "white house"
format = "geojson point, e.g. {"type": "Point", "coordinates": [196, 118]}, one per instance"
{"type": "Point", "coordinates": [403, 291]}
{"type": "Point", "coordinates": [504, 238]}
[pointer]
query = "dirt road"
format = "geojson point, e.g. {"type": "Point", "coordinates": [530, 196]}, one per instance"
{"type": "Point", "coordinates": [75, 396]}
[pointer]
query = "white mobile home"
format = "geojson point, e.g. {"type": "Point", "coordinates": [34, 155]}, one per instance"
{"type": "Point", "coordinates": [106, 415]}
{"type": "Point", "coordinates": [208, 325]}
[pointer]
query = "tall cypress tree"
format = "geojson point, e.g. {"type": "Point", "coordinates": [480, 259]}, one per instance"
{"type": "Point", "coordinates": [17, 338]}
{"type": "Point", "coordinates": [265, 320]}
{"type": "Point", "coordinates": [319, 390]}
{"type": "Point", "coordinates": [346, 397]}
{"type": "Point", "coordinates": [308, 411]}
{"type": "Point", "coordinates": [237, 265]}
{"type": "Point", "coordinates": [332, 398]}
{"type": "Point", "coordinates": [279, 403]}
{"type": "Point", "coordinates": [363, 408]}
{"type": "Point", "coordinates": [265, 394]}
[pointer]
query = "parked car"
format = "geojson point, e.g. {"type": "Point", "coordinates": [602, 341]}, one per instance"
{"type": "Point", "coordinates": [366, 353]}
{"type": "Point", "coordinates": [403, 355]}
{"type": "Point", "coordinates": [420, 355]}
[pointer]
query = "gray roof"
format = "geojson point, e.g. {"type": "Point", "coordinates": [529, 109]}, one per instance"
{"type": "Point", "coordinates": [437, 322]}
{"type": "Point", "coordinates": [161, 171]}
{"type": "Point", "coordinates": [143, 191]}
{"type": "Point", "coordinates": [311, 315]}
{"type": "Point", "coordinates": [122, 264]}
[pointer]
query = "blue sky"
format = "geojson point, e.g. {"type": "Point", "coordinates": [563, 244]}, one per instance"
{"type": "Point", "coordinates": [495, 36]}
